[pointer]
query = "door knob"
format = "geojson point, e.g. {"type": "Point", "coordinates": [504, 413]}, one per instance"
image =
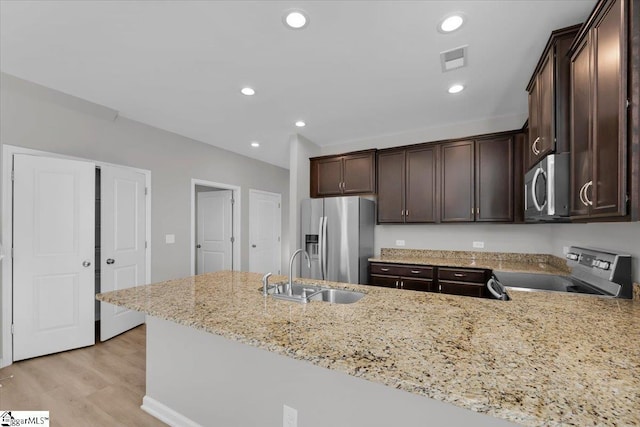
{"type": "Point", "coordinates": [86, 263]}
{"type": "Point", "coordinates": [198, 246]}
{"type": "Point", "coordinates": [110, 261]}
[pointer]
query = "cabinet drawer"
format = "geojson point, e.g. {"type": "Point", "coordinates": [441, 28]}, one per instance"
{"type": "Point", "coordinates": [386, 269]}
{"type": "Point", "coordinates": [462, 288]}
{"type": "Point", "coordinates": [416, 271]}
{"type": "Point", "coordinates": [425, 285]}
{"type": "Point", "coordinates": [462, 275]}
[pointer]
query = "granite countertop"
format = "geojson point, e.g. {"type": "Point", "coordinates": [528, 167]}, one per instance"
{"type": "Point", "coordinates": [501, 261]}
{"type": "Point", "coordinates": [541, 359]}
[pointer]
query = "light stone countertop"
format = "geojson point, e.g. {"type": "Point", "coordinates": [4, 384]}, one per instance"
{"type": "Point", "coordinates": [541, 359]}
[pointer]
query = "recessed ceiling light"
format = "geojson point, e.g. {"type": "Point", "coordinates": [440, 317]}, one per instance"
{"type": "Point", "coordinates": [300, 124]}
{"type": "Point", "coordinates": [457, 88]}
{"type": "Point", "coordinates": [247, 91]}
{"type": "Point", "coordinates": [295, 19]}
{"type": "Point", "coordinates": [255, 144]}
{"type": "Point", "coordinates": [451, 23]}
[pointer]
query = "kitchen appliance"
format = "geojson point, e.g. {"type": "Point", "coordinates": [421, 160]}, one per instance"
{"type": "Point", "coordinates": [546, 189]}
{"type": "Point", "coordinates": [337, 232]}
{"type": "Point", "coordinates": [593, 271]}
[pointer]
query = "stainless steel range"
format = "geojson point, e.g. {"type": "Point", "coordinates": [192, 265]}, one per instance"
{"type": "Point", "coordinates": [593, 271]}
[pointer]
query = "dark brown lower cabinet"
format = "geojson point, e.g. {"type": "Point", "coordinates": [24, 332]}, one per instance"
{"type": "Point", "coordinates": [447, 280]}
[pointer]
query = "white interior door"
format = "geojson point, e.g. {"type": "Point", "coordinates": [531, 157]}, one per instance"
{"type": "Point", "coordinates": [122, 241]}
{"type": "Point", "coordinates": [214, 243]}
{"type": "Point", "coordinates": [53, 264]}
{"type": "Point", "coordinates": [264, 232]}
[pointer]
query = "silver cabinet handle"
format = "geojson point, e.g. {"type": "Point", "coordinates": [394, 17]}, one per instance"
{"type": "Point", "coordinates": [415, 271]}
{"type": "Point", "coordinates": [586, 188]}
{"type": "Point", "coordinates": [110, 261]}
{"type": "Point", "coordinates": [401, 285]}
{"type": "Point", "coordinates": [384, 269]}
{"type": "Point", "coordinates": [459, 274]}
{"type": "Point", "coordinates": [86, 263]}
{"type": "Point", "coordinates": [534, 147]}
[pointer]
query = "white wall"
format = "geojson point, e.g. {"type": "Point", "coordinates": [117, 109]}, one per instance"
{"type": "Point", "coordinates": [299, 180]}
{"type": "Point", "coordinates": [36, 117]}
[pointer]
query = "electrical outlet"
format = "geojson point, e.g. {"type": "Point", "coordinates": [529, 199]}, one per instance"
{"type": "Point", "coordinates": [169, 238]}
{"type": "Point", "coordinates": [478, 245]}
{"type": "Point", "coordinates": [289, 416]}
{"type": "Point", "coordinates": [399, 242]}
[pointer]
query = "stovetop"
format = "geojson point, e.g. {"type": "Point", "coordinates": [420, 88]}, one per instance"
{"type": "Point", "coordinates": [594, 271]}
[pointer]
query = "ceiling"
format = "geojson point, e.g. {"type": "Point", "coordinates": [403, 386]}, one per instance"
{"type": "Point", "coordinates": [360, 69]}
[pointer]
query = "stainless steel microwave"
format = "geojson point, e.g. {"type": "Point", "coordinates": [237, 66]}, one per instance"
{"type": "Point", "coordinates": [546, 188]}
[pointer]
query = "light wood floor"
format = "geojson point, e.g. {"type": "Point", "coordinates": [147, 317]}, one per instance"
{"type": "Point", "coordinates": [101, 385]}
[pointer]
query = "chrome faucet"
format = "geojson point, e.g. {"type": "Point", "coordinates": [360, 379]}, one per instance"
{"type": "Point", "coordinates": [306, 255]}
{"type": "Point", "coordinates": [265, 284]}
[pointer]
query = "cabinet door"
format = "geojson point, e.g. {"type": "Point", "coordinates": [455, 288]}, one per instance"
{"type": "Point", "coordinates": [384, 281]}
{"type": "Point", "coordinates": [546, 130]}
{"type": "Point", "coordinates": [609, 146]}
{"type": "Point", "coordinates": [534, 127]}
{"type": "Point", "coordinates": [494, 179]}
{"type": "Point", "coordinates": [421, 185]}
{"type": "Point", "coordinates": [580, 127]}
{"type": "Point", "coordinates": [391, 176]}
{"type": "Point", "coordinates": [412, 284]}
{"type": "Point", "coordinates": [358, 173]}
{"type": "Point", "coordinates": [328, 176]}
{"type": "Point", "coordinates": [461, 288]}
{"type": "Point", "coordinates": [457, 182]}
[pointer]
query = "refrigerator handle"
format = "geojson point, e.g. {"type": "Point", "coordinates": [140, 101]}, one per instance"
{"type": "Point", "coordinates": [324, 248]}
{"type": "Point", "coordinates": [321, 248]}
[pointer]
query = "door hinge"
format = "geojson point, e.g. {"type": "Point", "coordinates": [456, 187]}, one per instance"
{"type": "Point", "coordinates": [13, 173]}
{"type": "Point", "coordinates": [278, 205]}
{"type": "Point", "coordinates": [146, 244]}
{"type": "Point", "coordinates": [233, 201]}
{"type": "Point", "coordinates": [278, 238]}
{"type": "Point", "coordinates": [13, 329]}
{"type": "Point", "coordinates": [233, 239]}
{"type": "Point", "coordinates": [11, 252]}
{"type": "Point", "coordinates": [146, 191]}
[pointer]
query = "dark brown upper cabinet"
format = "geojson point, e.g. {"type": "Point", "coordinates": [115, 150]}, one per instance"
{"type": "Point", "coordinates": [478, 180]}
{"type": "Point", "coordinates": [407, 185]}
{"type": "Point", "coordinates": [599, 114]}
{"type": "Point", "coordinates": [495, 179]}
{"type": "Point", "coordinates": [457, 186]}
{"type": "Point", "coordinates": [343, 175]}
{"type": "Point", "coordinates": [549, 98]}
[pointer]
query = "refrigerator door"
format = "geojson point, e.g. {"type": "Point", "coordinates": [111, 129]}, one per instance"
{"type": "Point", "coordinates": [310, 227]}
{"type": "Point", "coordinates": [342, 239]}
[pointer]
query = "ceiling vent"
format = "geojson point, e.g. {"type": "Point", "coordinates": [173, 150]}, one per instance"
{"type": "Point", "coordinates": [454, 58]}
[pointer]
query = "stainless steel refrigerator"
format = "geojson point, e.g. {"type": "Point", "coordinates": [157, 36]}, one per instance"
{"type": "Point", "coordinates": [337, 232]}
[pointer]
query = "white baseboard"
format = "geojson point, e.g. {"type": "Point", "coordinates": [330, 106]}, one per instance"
{"type": "Point", "coordinates": [166, 414]}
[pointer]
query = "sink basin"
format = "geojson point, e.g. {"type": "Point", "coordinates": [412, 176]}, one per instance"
{"type": "Point", "coordinates": [304, 293]}
{"type": "Point", "coordinates": [338, 296]}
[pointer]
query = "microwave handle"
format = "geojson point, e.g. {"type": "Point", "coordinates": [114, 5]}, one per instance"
{"type": "Point", "coordinates": [539, 172]}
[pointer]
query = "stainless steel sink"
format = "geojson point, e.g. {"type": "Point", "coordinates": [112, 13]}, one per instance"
{"type": "Point", "coordinates": [304, 293]}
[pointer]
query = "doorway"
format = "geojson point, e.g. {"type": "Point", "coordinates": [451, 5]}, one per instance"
{"type": "Point", "coordinates": [265, 227]}
{"type": "Point", "coordinates": [60, 255]}
{"type": "Point", "coordinates": [215, 227]}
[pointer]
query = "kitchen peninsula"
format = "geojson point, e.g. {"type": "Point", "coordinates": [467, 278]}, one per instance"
{"type": "Point", "coordinates": [219, 353]}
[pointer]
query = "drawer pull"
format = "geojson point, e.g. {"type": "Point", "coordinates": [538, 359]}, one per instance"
{"type": "Point", "coordinates": [384, 269]}
{"type": "Point", "coordinates": [416, 271]}
{"type": "Point", "coordinates": [459, 274]}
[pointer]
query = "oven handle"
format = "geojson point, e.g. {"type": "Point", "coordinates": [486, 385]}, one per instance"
{"type": "Point", "coordinates": [539, 172]}
{"type": "Point", "coordinates": [500, 294]}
